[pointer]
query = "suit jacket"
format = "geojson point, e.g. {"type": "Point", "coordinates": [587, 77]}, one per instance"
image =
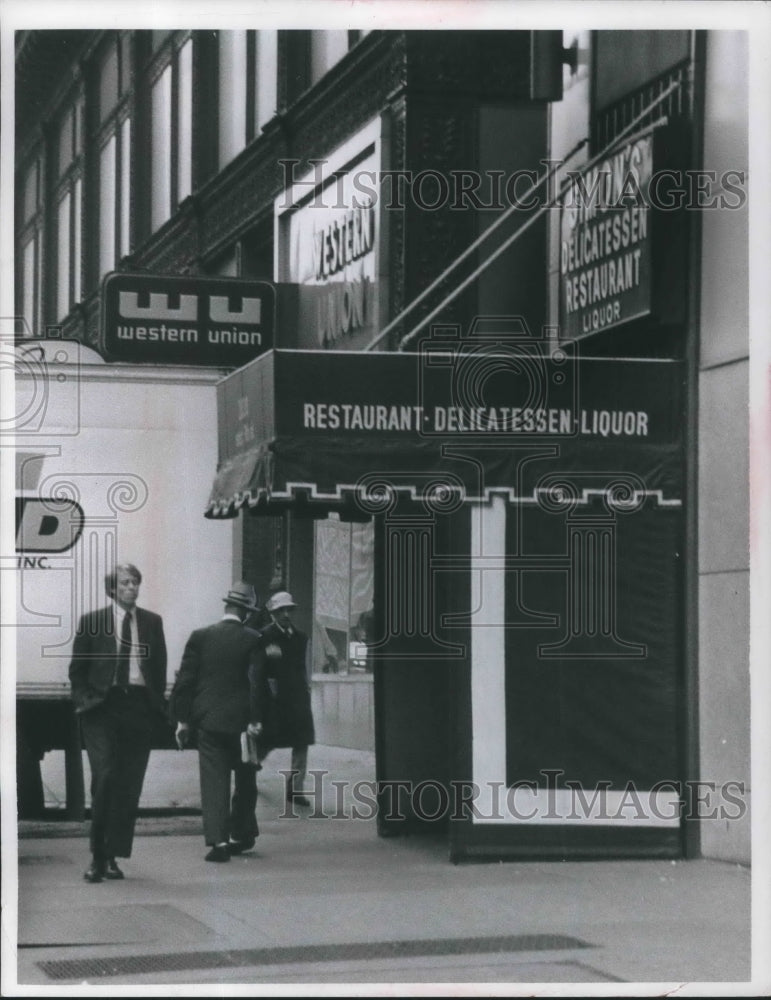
{"type": "Point", "coordinates": [280, 690]}
{"type": "Point", "coordinates": [95, 658]}
{"type": "Point", "coordinates": [211, 689]}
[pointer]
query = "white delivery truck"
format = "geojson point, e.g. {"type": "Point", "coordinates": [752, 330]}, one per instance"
{"type": "Point", "coordinates": [113, 463]}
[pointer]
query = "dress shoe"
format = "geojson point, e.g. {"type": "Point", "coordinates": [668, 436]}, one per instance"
{"type": "Point", "coordinates": [296, 798]}
{"type": "Point", "coordinates": [218, 853]}
{"type": "Point", "coordinates": [94, 872]}
{"type": "Point", "coordinates": [112, 871]}
{"type": "Point", "coordinates": [239, 846]}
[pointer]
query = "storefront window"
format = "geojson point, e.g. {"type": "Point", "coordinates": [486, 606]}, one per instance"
{"type": "Point", "coordinates": [342, 597]}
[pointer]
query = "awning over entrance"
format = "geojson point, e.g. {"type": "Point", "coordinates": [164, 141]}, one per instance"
{"type": "Point", "coordinates": [527, 588]}
{"type": "Point", "coordinates": [355, 432]}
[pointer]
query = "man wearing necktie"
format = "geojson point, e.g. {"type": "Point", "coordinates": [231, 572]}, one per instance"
{"type": "Point", "coordinates": [118, 679]}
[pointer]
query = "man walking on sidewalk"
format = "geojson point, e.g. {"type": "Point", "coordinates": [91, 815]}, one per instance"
{"type": "Point", "coordinates": [281, 696]}
{"type": "Point", "coordinates": [118, 679]}
{"type": "Point", "coordinates": [211, 698]}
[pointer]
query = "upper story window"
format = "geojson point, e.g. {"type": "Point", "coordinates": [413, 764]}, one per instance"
{"type": "Point", "coordinates": [68, 199]}
{"type": "Point", "coordinates": [247, 62]}
{"type": "Point", "coordinates": [265, 77]}
{"type": "Point", "coordinates": [327, 48]}
{"type": "Point", "coordinates": [232, 61]}
{"type": "Point", "coordinates": [308, 55]}
{"type": "Point", "coordinates": [114, 151]}
{"type": "Point", "coordinates": [171, 125]}
{"type": "Point", "coordinates": [29, 262]}
{"type": "Point", "coordinates": [157, 38]}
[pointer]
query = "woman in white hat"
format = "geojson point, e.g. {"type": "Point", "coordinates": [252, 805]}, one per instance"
{"type": "Point", "coordinates": [281, 695]}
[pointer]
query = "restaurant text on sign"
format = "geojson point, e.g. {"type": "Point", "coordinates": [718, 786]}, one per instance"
{"type": "Point", "coordinates": [605, 247]}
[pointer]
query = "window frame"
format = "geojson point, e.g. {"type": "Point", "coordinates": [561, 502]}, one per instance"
{"type": "Point", "coordinates": [296, 57]}
{"type": "Point", "coordinates": [156, 61]}
{"type": "Point", "coordinates": [69, 182]}
{"type": "Point", "coordinates": [31, 230]}
{"type": "Point", "coordinates": [321, 62]}
{"type": "Point", "coordinates": [252, 123]}
{"type": "Point", "coordinates": [109, 126]}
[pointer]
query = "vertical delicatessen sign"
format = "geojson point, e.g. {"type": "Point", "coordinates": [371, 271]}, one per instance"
{"type": "Point", "coordinates": [613, 242]}
{"type": "Point", "coordinates": [605, 243]}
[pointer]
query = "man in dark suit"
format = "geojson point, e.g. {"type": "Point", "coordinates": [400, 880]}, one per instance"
{"type": "Point", "coordinates": [211, 697]}
{"type": "Point", "coordinates": [118, 679]}
{"type": "Point", "coordinates": [281, 696]}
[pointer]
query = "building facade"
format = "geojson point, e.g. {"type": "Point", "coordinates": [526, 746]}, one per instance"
{"type": "Point", "coordinates": [352, 169]}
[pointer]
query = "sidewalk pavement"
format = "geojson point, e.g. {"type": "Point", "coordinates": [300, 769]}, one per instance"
{"type": "Point", "coordinates": [326, 902]}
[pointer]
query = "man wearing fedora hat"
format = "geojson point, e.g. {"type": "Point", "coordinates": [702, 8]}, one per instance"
{"type": "Point", "coordinates": [281, 697]}
{"type": "Point", "coordinates": [211, 697]}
